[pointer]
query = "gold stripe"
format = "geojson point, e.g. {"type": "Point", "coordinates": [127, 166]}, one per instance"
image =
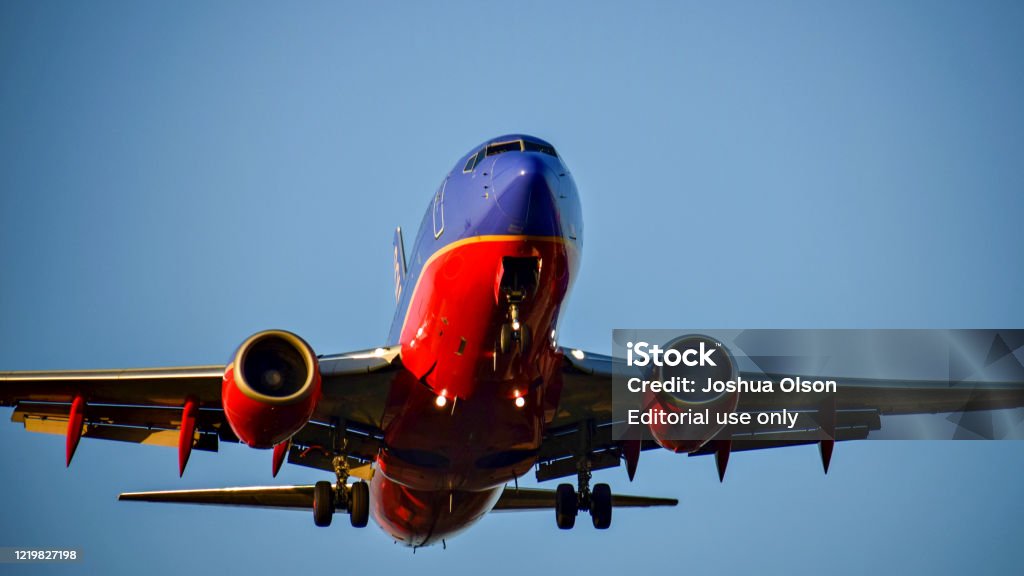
{"type": "Point", "coordinates": [465, 241]}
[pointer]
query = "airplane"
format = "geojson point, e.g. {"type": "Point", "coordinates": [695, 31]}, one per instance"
{"type": "Point", "coordinates": [470, 392]}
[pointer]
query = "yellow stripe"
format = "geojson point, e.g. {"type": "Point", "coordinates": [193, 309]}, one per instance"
{"type": "Point", "coordinates": [471, 240]}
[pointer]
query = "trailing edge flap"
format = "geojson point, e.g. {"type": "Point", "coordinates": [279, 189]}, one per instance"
{"type": "Point", "coordinates": [513, 499]}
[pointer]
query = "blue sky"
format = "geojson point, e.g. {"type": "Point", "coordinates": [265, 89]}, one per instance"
{"type": "Point", "coordinates": [175, 177]}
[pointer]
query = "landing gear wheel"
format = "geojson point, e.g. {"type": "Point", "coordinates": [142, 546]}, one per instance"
{"type": "Point", "coordinates": [505, 338]}
{"type": "Point", "coordinates": [566, 506]}
{"type": "Point", "coordinates": [359, 504]}
{"type": "Point", "coordinates": [601, 506]}
{"type": "Point", "coordinates": [524, 337]}
{"type": "Point", "coordinates": [323, 503]}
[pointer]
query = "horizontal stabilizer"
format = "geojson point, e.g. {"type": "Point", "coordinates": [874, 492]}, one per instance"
{"type": "Point", "coordinates": [284, 497]}
{"type": "Point", "coordinates": [513, 499]}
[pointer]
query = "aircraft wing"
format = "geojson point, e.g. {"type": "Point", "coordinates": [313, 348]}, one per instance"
{"type": "Point", "coordinates": [583, 422]}
{"type": "Point", "coordinates": [144, 406]}
{"type": "Point", "coordinates": [301, 498]}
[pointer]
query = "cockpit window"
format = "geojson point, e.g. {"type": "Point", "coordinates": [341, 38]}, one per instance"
{"type": "Point", "coordinates": [471, 163]}
{"type": "Point", "coordinates": [535, 147]}
{"type": "Point", "coordinates": [518, 146]}
{"type": "Point", "coordinates": [502, 147]}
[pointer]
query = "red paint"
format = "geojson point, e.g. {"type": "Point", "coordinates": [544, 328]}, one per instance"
{"type": "Point", "coordinates": [455, 299]}
{"type": "Point", "coordinates": [76, 418]}
{"type": "Point", "coordinates": [264, 423]}
{"type": "Point", "coordinates": [186, 433]}
{"type": "Point", "coordinates": [280, 451]}
{"type": "Point", "coordinates": [684, 438]}
{"type": "Point", "coordinates": [444, 467]}
{"type": "Point", "coordinates": [419, 518]}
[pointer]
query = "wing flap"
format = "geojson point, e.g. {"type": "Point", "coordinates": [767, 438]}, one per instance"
{"type": "Point", "coordinates": [151, 426]}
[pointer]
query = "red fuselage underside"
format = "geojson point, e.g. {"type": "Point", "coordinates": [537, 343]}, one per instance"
{"type": "Point", "coordinates": [444, 466]}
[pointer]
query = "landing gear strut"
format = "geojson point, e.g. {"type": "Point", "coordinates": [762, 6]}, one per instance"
{"type": "Point", "coordinates": [328, 498]}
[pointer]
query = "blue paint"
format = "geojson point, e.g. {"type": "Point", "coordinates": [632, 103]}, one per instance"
{"type": "Point", "coordinates": [527, 193]}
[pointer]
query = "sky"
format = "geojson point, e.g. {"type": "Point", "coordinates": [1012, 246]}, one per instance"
{"type": "Point", "coordinates": [177, 176]}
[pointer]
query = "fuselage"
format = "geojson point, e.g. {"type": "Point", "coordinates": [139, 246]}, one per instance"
{"type": "Point", "coordinates": [467, 412]}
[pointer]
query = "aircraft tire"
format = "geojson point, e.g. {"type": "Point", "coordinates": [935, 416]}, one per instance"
{"type": "Point", "coordinates": [505, 338]}
{"type": "Point", "coordinates": [601, 506]}
{"type": "Point", "coordinates": [566, 506]}
{"type": "Point", "coordinates": [323, 503]}
{"type": "Point", "coordinates": [359, 502]}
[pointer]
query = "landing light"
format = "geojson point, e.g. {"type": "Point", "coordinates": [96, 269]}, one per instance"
{"type": "Point", "coordinates": [442, 399]}
{"type": "Point", "coordinates": [379, 352]}
{"type": "Point", "coordinates": [520, 401]}
{"type": "Point", "coordinates": [578, 354]}
{"type": "Point", "coordinates": [515, 325]}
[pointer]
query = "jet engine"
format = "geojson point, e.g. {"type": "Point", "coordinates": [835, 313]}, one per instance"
{"type": "Point", "coordinates": [270, 388]}
{"type": "Point", "coordinates": [693, 414]}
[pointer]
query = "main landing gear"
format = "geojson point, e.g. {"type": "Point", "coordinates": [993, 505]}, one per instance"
{"type": "Point", "coordinates": [329, 498]}
{"type": "Point", "coordinates": [568, 502]}
{"type": "Point", "coordinates": [519, 278]}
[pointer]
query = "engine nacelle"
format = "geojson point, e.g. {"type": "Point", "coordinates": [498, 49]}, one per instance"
{"type": "Point", "coordinates": [688, 436]}
{"type": "Point", "coordinates": [270, 388]}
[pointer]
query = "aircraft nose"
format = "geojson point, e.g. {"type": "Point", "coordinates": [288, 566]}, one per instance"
{"type": "Point", "coordinates": [525, 187]}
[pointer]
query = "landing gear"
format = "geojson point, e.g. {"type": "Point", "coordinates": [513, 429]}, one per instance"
{"type": "Point", "coordinates": [566, 506]}
{"type": "Point", "coordinates": [514, 333]}
{"type": "Point", "coordinates": [323, 503]}
{"type": "Point", "coordinates": [519, 278]}
{"type": "Point", "coordinates": [328, 498]}
{"type": "Point", "coordinates": [568, 502]}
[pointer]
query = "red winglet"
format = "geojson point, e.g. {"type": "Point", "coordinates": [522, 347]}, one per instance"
{"type": "Point", "coordinates": [280, 451]}
{"type": "Point", "coordinates": [75, 420]}
{"type": "Point", "coordinates": [187, 433]}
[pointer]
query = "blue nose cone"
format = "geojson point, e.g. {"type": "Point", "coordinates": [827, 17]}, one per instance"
{"type": "Point", "coordinates": [525, 186]}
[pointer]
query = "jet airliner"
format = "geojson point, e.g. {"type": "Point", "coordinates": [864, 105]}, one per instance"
{"type": "Point", "coordinates": [426, 432]}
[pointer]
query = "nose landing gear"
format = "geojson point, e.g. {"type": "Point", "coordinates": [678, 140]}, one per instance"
{"type": "Point", "coordinates": [519, 279]}
{"type": "Point", "coordinates": [514, 333]}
